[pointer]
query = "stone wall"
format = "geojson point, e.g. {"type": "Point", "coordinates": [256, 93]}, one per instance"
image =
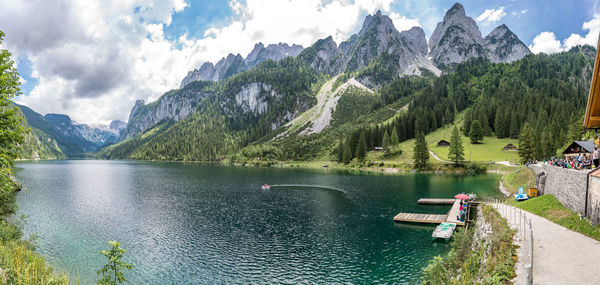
{"type": "Point", "coordinates": [567, 185]}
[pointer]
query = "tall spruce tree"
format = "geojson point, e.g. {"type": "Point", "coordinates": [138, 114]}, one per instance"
{"type": "Point", "coordinates": [420, 153]}
{"type": "Point", "coordinates": [347, 154]}
{"type": "Point", "coordinates": [456, 152]}
{"type": "Point", "coordinates": [386, 142]}
{"type": "Point", "coordinates": [394, 138]}
{"type": "Point", "coordinates": [340, 151]}
{"type": "Point", "coordinates": [514, 127]}
{"type": "Point", "coordinates": [476, 132]}
{"type": "Point", "coordinates": [526, 144]}
{"type": "Point", "coordinates": [361, 149]}
{"type": "Point", "coordinates": [499, 123]}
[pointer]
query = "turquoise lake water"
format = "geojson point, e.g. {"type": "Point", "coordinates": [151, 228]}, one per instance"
{"type": "Point", "coordinates": [198, 224]}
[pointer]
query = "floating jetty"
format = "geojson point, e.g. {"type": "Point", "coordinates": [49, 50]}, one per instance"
{"type": "Point", "coordinates": [436, 201]}
{"type": "Point", "coordinates": [430, 218]}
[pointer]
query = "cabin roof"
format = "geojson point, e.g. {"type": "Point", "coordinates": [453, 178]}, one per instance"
{"type": "Point", "coordinates": [587, 146]}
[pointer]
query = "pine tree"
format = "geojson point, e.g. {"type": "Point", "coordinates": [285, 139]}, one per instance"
{"type": "Point", "coordinates": [386, 143]}
{"type": "Point", "coordinates": [394, 138]}
{"type": "Point", "coordinates": [526, 144]}
{"type": "Point", "coordinates": [499, 124]}
{"type": "Point", "coordinates": [361, 149]}
{"type": "Point", "coordinates": [347, 154]}
{"type": "Point", "coordinates": [421, 153]}
{"type": "Point", "coordinates": [340, 151]}
{"type": "Point", "coordinates": [456, 152]}
{"type": "Point", "coordinates": [476, 132]}
{"type": "Point", "coordinates": [514, 127]}
{"type": "Point", "coordinates": [547, 144]}
{"type": "Point", "coordinates": [467, 123]}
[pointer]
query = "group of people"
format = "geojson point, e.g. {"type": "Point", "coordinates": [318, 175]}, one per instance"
{"type": "Point", "coordinates": [580, 161]}
{"type": "Point", "coordinates": [462, 210]}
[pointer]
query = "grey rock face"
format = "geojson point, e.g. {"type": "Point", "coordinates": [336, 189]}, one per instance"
{"type": "Point", "coordinates": [503, 45]}
{"type": "Point", "coordinates": [234, 64]}
{"type": "Point", "coordinates": [171, 106]}
{"type": "Point", "coordinates": [416, 38]}
{"type": "Point", "coordinates": [324, 56]}
{"type": "Point", "coordinates": [379, 36]}
{"type": "Point", "coordinates": [252, 97]}
{"type": "Point", "coordinates": [455, 39]}
{"type": "Point", "coordinates": [274, 52]}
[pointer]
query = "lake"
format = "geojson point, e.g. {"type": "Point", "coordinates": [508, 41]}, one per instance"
{"type": "Point", "coordinates": [197, 223]}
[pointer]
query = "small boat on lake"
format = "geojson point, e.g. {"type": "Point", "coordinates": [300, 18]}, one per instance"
{"type": "Point", "coordinates": [444, 231]}
{"type": "Point", "coordinates": [266, 187]}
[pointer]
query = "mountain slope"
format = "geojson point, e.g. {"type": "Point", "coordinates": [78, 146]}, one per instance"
{"type": "Point", "coordinates": [56, 136]}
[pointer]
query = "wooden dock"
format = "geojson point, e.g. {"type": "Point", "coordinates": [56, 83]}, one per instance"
{"type": "Point", "coordinates": [420, 218]}
{"type": "Point", "coordinates": [433, 219]}
{"type": "Point", "coordinates": [436, 201]}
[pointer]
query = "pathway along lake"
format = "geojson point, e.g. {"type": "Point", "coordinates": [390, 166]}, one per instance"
{"type": "Point", "coordinates": [196, 223]}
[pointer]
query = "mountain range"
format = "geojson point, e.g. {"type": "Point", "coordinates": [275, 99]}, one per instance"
{"type": "Point", "coordinates": [377, 48]}
{"type": "Point", "coordinates": [297, 98]}
{"type": "Point", "coordinates": [57, 136]}
{"type": "Point", "coordinates": [456, 38]}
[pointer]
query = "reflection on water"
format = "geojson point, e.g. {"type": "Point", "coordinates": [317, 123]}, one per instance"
{"type": "Point", "coordinates": [188, 223]}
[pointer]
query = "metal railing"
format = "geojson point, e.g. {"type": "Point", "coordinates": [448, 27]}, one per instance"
{"type": "Point", "coordinates": [518, 220]}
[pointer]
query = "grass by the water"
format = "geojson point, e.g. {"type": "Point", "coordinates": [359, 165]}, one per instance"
{"type": "Point", "coordinates": [549, 207]}
{"type": "Point", "coordinates": [520, 177]}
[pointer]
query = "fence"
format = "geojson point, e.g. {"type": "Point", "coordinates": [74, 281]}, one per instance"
{"type": "Point", "coordinates": [517, 219]}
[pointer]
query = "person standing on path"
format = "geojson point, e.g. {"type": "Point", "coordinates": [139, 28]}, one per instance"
{"type": "Point", "coordinates": [596, 156]}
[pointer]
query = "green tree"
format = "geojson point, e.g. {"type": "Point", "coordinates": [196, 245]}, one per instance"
{"type": "Point", "coordinates": [11, 131]}
{"type": "Point", "coordinates": [457, 151]}
{"type": "Point", "coordinates": [547, 144]}
{"type": "Point", "coordinates": [476, 132]}
{"type": "Point", "coordinates": [514, 127]}
{"type": "Point", "coordinates": [421, 153]}
{"type": "Point", "coordinates": [361, 149]}
{"type": "Point", "coordinates": [340, 151]}
{"type": "Point", "coordinates": [112, 272]}
{"type": "Point", "coordinates": [347, 153]}
{"type": "Point", "coordinates": [394, 138]}
{"type": "Point", "coordinates": [386, 143]}
{"type": "Point", "coordinates": [526, 144]}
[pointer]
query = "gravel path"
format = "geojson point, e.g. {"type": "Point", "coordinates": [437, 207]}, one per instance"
{"type": "Point", "coordinates": [560, 256]}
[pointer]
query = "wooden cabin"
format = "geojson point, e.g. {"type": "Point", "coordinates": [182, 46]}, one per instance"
{"type": "Point", "coordinates": [509, 147]}
{"type": "Point", "coordinates": [578, 147]}
{"type": "Point", "coordinates": [443, 143]}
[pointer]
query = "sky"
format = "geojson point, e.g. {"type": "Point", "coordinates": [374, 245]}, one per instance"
{"type": "Point", "coordinates": [92, 59]}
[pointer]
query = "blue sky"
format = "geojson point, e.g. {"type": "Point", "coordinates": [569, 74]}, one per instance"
{"type": "Point", "coordinates": [92, 59]}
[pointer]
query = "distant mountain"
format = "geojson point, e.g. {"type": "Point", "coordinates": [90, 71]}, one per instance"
{"type": "Point", "coordinates": [264, 95]}
{"type": "Point", "coordinates": [234, 64]}
{"type": "Point", "coordinates": [57, 136]}
{"type": "Point", "coordinates": [457, 39]}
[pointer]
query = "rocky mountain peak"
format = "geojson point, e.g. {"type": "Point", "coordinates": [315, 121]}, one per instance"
{"type": "Point", "coordinates": [503, 45]}
{"type": "Point", "coordinates": [233, 64]}
{"type": "Point", "coordinates": [457, 10]}
{"type": "Point", "coordinates": [416, 36]}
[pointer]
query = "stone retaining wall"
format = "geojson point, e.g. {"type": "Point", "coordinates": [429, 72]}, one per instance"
{"type": "Point", "coordinates": [567, 185]}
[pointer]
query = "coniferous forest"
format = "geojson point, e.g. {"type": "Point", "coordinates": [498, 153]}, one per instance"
{"type": "Point", "coordinates": [502, 97]}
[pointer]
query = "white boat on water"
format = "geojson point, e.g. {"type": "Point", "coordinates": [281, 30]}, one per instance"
{"type": "Point", "coordinates": [266, 187]}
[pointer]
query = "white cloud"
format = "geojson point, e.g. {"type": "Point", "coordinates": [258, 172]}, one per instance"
{"type": "Point", "coordinates": [490, 16]}
{"type": "Point", "coordinates": [402, 23]}
{"type": "Point", "coordinates": [93, 59]}
{"type": "Point", "coordinates": [546, 41]}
